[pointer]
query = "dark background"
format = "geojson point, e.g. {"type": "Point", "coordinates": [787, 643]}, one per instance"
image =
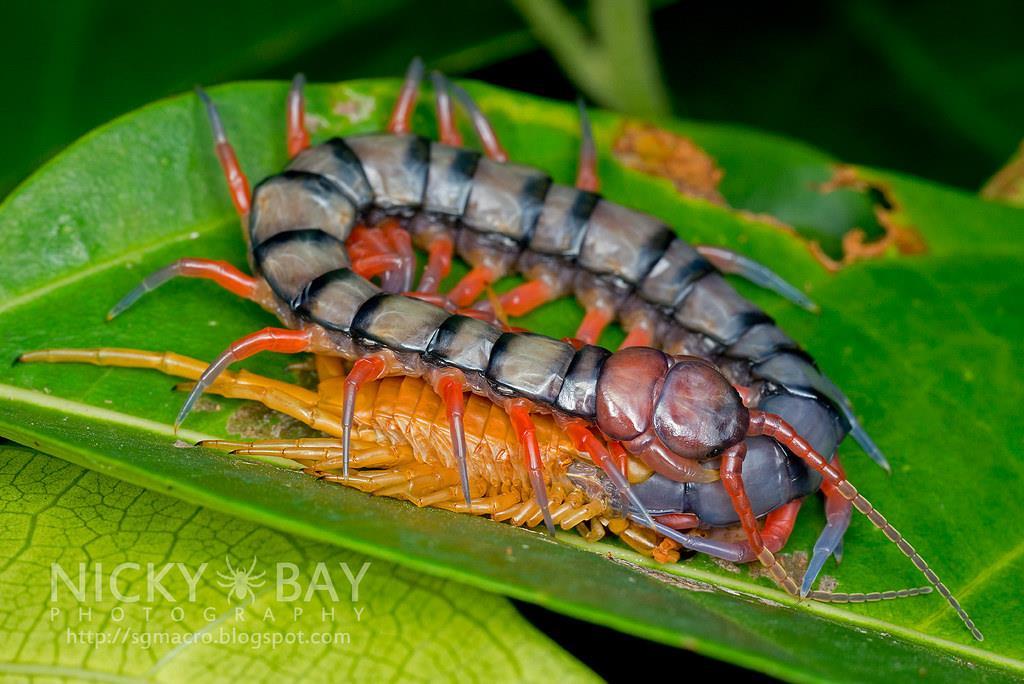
{"type": "Point", "coordinates": [932, 89]}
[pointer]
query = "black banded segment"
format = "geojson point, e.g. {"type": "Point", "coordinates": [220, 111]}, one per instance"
{"type": "Point", "coordinates": [464, 343]}
{"type": "Point", "coordinates": [399, 323]}
{"type": "Point", "coordinates": [798, 376]}
{"type": "Point", "coordinates": [578, 395]}
{"type": "Point", "coordinates": [673, 275]}
{"type": "Point", "coordinates": [529, 366]}
{"type": "Point", "coordinates": [506, 199]}
{"type": "Point", "coordinates": [295, 200]}
{"type": "Point", "coordinates": [290, 261]}
{"type": "Point", "coordinates": [714, 309]}
{"type": "Point", "coordinates": [333, 299]}
{"type": "Point", "coordinates": [563, 220]}
{"type": "Point", "coordinates": [622, 243]}
{"type": "Point", "coordinates": [762, 342]}
{"type": "Point", "coordinates": [336, 161]}
{"type": "Point", "coordinates": [450, 179]}
{"type": "Point", "coordinates": [396, 167]}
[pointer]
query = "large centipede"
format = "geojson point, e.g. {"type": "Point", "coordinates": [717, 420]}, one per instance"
{"type": "Point", "coordinates": [708, 416]}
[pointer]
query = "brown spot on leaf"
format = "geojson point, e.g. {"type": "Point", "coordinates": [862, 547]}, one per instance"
{"type": "Point", "coordinates": [898, 233]}
{"type": "Point", "coordinates": [1008, 183]}
{"type": "Point", "coordinates": [651, 150]}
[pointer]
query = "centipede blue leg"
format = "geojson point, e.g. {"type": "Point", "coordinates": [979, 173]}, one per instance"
{"type": "Point", "coordinates": [830, 542]}
{"type": "Point", "coordinates": [857, 431]}
{"type": "Point", "coordinates": [728, 261]}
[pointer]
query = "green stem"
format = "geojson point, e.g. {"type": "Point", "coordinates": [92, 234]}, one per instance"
{"type": "Point", "coordinates": [619, 67]}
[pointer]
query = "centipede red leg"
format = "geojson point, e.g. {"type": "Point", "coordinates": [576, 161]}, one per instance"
{"type": "Point", "coordinates": [638, 336]}
{"type": "Point", "coordinates": [519, 414]}
{"type": "Point", "coordinates": [838, 512]}
{"type": "Point", "coordinates": [472, 285]}
{"type": "Point", "coordinates": [439, 264]}
{"type": "Point", "coordinates": [586, 173]}
{"type": "Point", "coordinates": [524, 298]}
{"type": "Point", "coordinates": [450, 388]}
{"type": "Point", "coordinates": [298, 136]}
{"type": "Point", "coordinates": [398, 238]}
{"type": "Point", "coordinates": [595, 320]}
{"type": "Point", "coordinates": [773, 426]}
{"type": "Point", "coordinates": [484, 130]}
{"type": "Point", "coordinates": [401, 116]}
{"type": "Point", "coordinates": [220, 272]}
{"type": "Point", "coordinates": [238, 184]}
{"type": "Point", "coordinates": [280, 340]}
{"type": "Point", "coordinates": [366, 369]}
{"type": "Point", "coordinates": [447, 130]}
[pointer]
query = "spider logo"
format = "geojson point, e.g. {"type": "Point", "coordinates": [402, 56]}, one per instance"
{"type": "Point", "coordinates": [241, 583]}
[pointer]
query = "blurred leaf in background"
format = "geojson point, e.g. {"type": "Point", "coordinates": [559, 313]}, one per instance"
{"type": "Point", "coordinates": [935, 91]}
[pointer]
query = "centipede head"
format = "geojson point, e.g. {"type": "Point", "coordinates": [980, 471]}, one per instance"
{"type": "Point", "coordinates": [671, 411]}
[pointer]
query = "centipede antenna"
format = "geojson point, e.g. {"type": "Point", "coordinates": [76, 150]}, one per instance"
{"type": "Point", "coordinates": [269, 339]}
{"type": "Point", "coordinates": [401, 116]}
{"type": "Point", "coordinates": [298, 135]}
{"type": "Point", "coordinates": [449, 132]}
{"type": "Point", "coordinates": [238, 184]}
{"type": "Point", "coordinates": [484, 130]}
{"type": "Point", "coordinates": [366, 369]}
{"type": "Point", "coordinates": [586, 173]}
{"type": "Point", "coordinates": [775, 427]}
{"type": "Point", "coordinates": [728, 261]}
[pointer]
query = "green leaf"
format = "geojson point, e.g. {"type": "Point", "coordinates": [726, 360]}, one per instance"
{"type": "Point", "coordinates": [380, 622]}
{"type": "Point", "coordinates": [925, 345]}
